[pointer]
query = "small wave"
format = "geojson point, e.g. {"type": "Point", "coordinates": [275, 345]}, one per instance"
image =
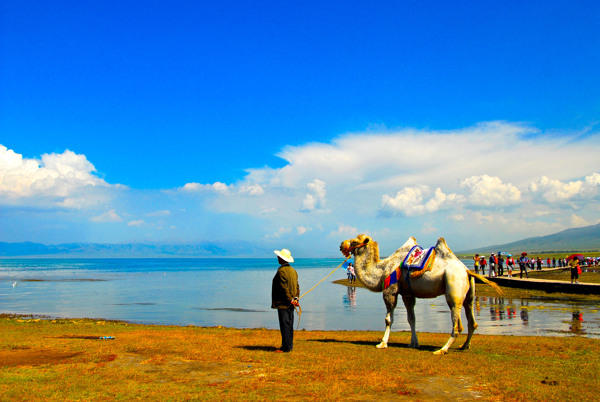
{"type": "Point", "coordinates": [238, 310]}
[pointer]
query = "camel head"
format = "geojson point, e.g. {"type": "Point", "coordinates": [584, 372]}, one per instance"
{"type": "Point", "coordinates": [355, 245]}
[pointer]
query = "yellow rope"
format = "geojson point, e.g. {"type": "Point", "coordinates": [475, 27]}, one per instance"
{"type": "Point", "coordinates": [318, 283]}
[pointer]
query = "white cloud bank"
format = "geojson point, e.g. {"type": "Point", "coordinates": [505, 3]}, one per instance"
{"type": "Point", "coordinates": [507, 179]}
{"type": "Point", "coordinates": [479, 185]}
{"type": "Point", "coordinates": [64, 178]}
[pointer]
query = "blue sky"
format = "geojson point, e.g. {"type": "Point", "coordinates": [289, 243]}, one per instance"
{"type": "Point", "coordinates": [298, 124]}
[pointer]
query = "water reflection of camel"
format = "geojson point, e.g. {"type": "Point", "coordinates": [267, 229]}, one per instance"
{"type": "Point", "coordinates": [448, 276]}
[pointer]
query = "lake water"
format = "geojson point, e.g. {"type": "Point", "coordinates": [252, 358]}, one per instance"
{"type": "Point", "coordinates": [236, 293]}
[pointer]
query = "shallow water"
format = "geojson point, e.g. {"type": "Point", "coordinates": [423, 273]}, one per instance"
{"type": "Point", "coordinates": [236, 293]}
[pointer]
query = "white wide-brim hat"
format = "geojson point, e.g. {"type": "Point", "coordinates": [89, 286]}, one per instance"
{"type": "Point", "coordinates": [284, 254]}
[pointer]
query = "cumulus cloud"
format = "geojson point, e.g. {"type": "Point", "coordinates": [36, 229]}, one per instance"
{"type": "Point", "coordinates": [61, 177]}
{"type": "Point", "coordinates": [315, 199]}
{"type": "Point", "coordinates": [556, 191]}
{"type": "Point", "coordinates": [138, 222]}
{"type": "Point", "coordinates": [490, 191]}
{"type": "Point", "coordinates": [252, 190]}
{"type": "Point", "coordinates": [216, 187]}
{"type": "Point", "coordinates": [411, 200]}
{"type": "Point", "coordinates": [456, 181]}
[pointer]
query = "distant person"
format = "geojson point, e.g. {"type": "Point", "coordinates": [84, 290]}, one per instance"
{"type": "Point", "coordinates": [539, 264]}
{"type": "Point", "coordinates": [352, 273]}
{"type": "Point", "coordinates": [575, 269]}
{"type": "Point", "coordinates": [500, 265]}
{"type": "Point", "coordinates": [348, 272]}
{"type": "Point", "coordinates": [476, 263]}
{"type": "Point", "coordinates": [482, 264]}
{"type": "Point", "coordinates": [510, 265]}
{"type": "Point", "coordinates": [523, 262]}
{"type": "Point", "coordinates": [493, 262]}
{"type": "Point", "coordinates": [553, 262]}
{"type": "Point", "coordinates": [284, 297]}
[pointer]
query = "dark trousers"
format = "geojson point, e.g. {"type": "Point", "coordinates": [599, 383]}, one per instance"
{"type": "Point", "coordinates": [286, 326]}
{"type": "Point", "coordinates": [523, 268]}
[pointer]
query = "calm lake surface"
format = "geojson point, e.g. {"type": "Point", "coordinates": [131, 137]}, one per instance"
{"type": "Point", "coordinates": [237, 292]}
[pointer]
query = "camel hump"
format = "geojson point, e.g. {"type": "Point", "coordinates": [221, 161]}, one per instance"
{"type": "Point", "coordinates": [442, 247]}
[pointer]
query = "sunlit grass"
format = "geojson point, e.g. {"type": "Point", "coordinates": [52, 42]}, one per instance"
{"type": "Point", "coordinates": [60, 359]}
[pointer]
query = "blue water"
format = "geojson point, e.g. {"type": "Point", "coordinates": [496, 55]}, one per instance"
{"type": "Point", "coordinates": [237, 292]}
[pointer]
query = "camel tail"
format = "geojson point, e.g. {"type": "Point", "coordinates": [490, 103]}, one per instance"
{"type": "Point", "coordinates": [486, 281]}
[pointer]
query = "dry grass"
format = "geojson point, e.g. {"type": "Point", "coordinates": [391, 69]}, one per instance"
{"type": "Point", "coordinates": [61, 359]}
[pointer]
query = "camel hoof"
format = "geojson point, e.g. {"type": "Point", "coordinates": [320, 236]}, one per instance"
{"type": "Point", "coordinates": [414, 346]}
{"type": "Point", "coordinates": [382, 345]}
{"type": "Point", "coordinates": [440, 352]}
{"type": "Point", "coordinates": [465, 346]}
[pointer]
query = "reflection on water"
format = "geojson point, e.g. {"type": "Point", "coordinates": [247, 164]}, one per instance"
{"type": "Point", "coordinates": [350, 299]}
{"type": "Point", "coordinates": [550, 316]}
{"type": "Point", "coordinates": [576, 323]}
{"type": "Point", "coordinates": [504, 309]}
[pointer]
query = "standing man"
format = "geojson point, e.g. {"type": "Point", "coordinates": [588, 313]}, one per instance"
{"type": "Point", "coordinates": [492, 270]}
{"type": "Point", "coordinates": [523, 262]}
{"type": "Point", "coordinates": [284, 296]}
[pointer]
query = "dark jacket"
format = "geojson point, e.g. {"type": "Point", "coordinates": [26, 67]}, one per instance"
{"type": "Point", "coordinates": [285, 287]}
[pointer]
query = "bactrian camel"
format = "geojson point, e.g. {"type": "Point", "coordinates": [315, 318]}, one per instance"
{"type": "Point", "coordinates": [448, 276]}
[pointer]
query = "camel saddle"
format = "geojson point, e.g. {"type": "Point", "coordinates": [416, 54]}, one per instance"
{"type": "Point", "coordinates": [416, 263]}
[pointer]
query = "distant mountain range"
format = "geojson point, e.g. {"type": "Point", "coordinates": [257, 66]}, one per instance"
{"type": "Point", "coordinates": [138, 250]}
{"type": "Point", "coordinates": [570, 240]}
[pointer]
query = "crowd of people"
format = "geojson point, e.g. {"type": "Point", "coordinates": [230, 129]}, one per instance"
{"type": "Point", "coordinates": [495, 264]}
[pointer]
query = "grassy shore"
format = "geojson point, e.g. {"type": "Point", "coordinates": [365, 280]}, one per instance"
{"type": "Point", "coordinates": [67, 360]}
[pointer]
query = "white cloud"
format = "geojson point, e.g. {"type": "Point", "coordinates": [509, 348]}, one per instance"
{"type": "Point", "coordinates": [315, 199]}
{"type": "Point", "coordinates": [252, 190]}
{"type": "Point", "coordinates": [64, 178]}
{"type": "Point", "coordinates": [411, 200]}
{"type": "Point", "coordinates": [302, 230]}
{"type": "Point", "coordinates": [490, 191]}
{"type": "Point", "coordinates": [280, 232]}
{"type": "Point", "coordinates": [109, 216]}
{"type": "Point", "coordinates": [216, 187]}
{"type": "Point", "coordinates": [345, 230]}
{"type": "Point", "coordinates": [577, 221]}
{"type": "Point", "coordinates": [555, 191]}
{"type": "Point", "coordinates": [456, 181]}
{"type": "Point", "coordinates": [138, 222]}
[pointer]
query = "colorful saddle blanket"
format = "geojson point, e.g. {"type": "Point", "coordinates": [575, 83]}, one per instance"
{"type": "Point", "coordinates": [415, 264]}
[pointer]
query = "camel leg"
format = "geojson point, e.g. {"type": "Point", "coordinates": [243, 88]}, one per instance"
{"type": "Point", "coordinates": [472, 324]}
{"type": "Point", "coordinates": [389, 320]}
{"type": "Point", "coordinates": [390, 299]}
{"type": "Point", "coordinates": [455, 308]}
{"type": "Point", "coordinates": [409, 304]}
